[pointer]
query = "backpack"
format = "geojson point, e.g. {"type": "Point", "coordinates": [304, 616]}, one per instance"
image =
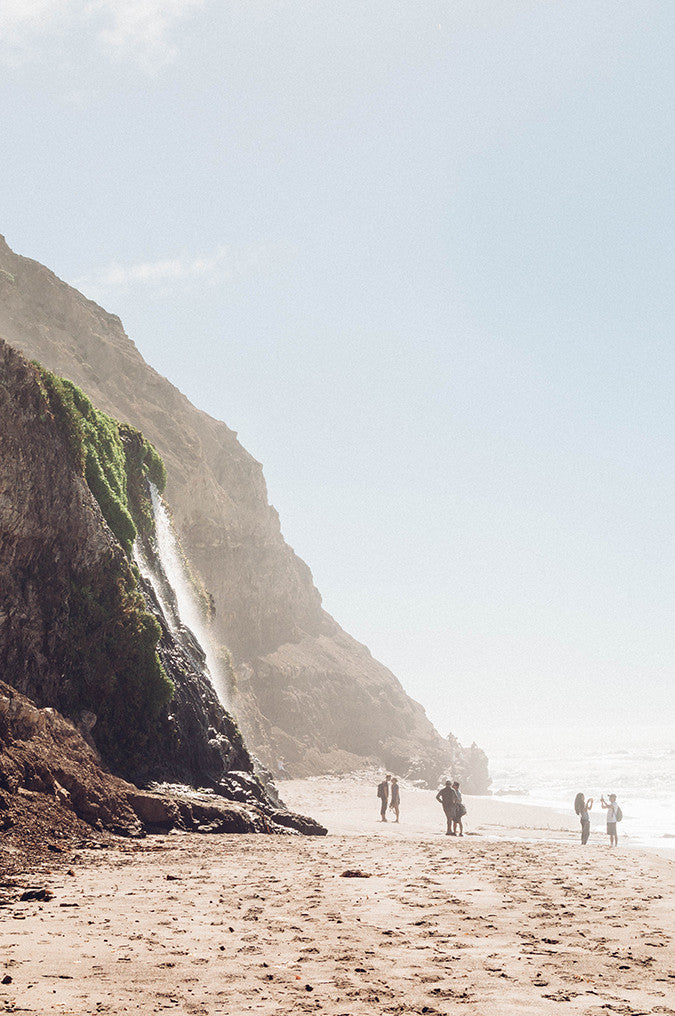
{"type": "Point", "coordinates": [619, 814]}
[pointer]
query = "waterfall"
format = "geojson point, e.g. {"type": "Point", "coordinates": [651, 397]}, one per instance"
{"type": "Point", "coordinates": [175, 593]}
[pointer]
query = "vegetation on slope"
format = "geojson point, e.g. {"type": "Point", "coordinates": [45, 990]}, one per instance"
{"type": "Point", "coordinates": [115, 458]}
{"type": "Point", "coordinates": [109, 644]}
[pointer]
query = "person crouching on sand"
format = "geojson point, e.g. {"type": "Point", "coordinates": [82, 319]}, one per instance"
{"type": "Point", "coordinates": [582, 808]}
{"type": "Point", "coordinates": [395, 799]}
{"type": "Point", "coordinates": [383, 794]}
{"type": "Point", "coordinates": [613, 816]}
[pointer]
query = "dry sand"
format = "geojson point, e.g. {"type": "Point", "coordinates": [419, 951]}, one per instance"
{"type": "Point", "coordinates": [515, 918]}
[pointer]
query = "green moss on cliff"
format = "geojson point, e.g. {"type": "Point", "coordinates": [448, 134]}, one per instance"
{"type": "Point", "coordinates": [109, 642]}
{"type": "Point", "coordinates": [112, 666]}
{"type": "Point", "coordinates": [142, 463]}
{"type": "Point", "coordinates": [115, 458]}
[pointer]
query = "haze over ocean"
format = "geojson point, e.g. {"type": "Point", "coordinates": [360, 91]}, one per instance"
{"type": "Point", "coordinates": [549, 766]}
{"type": "Point", "coordinates": [419, 257]}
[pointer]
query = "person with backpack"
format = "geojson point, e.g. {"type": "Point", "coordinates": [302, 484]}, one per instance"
{"type": "Point", "coordinates": [383, 794]}
{"type": "Point", "coordinates": [582, 808]}
{"type": "Point", "coordinates": [614, 815]}
{"type": "Point", "coordinates": [447, 797]}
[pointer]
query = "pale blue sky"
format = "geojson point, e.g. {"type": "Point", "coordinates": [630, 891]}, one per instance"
{"type": "Point", "coordinates": [419, 255]}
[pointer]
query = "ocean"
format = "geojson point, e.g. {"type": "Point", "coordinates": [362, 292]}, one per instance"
{"type": "Point", "coordinates": [549, 767]}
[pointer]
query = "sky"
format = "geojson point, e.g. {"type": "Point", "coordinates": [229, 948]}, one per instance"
{"type": "Point", "coordinates": [419, 256]}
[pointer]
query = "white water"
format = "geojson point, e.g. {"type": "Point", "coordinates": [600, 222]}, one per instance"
{"type": "Point", "coordinates": [636, 764]}
{"type": "Point", "coordinates": [148, 573]}
{"type": "Point", "coordinates": [189, 613]}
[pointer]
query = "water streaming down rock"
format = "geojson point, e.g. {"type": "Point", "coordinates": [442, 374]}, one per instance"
{"type": "Point", "coordinates": [204, 748]}
{"type": "Point", "coordinates": [205, 744]}
{"type": "Point", "coordinates": [207, 750]}
{"type": "Point", "coordinates": [175, 592]}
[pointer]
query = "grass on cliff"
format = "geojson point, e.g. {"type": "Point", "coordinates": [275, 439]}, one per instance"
{"type": "Point", "coordinates": [114, 458]}
{"type": "Point", "coordinates": [109, 644]}
{"type": "Point", "coordinates": [112, 666]}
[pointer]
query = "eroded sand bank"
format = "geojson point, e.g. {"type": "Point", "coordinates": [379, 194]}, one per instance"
{"type": "Point", "coordinates": [242, 924]}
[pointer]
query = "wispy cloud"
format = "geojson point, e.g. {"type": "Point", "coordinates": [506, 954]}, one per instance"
{"type": "Point", "coordinates": [223, 264]}
{"type": "Point", "coordinates": [15, 14]}
{"type": "Point", "coordinates": [140, 30]}
{"type": "Point", "coordinates": [22, 22]}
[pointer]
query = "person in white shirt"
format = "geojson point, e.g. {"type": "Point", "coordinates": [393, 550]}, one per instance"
{"type": "Point", "coordinates": [612, 810]}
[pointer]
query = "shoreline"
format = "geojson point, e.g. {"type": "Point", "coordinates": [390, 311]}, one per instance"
{"type": "Point", "coordinates": [488, 816]}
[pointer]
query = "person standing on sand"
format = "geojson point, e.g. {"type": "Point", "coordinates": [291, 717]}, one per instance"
{"type": "Point", "coordinates": [448, 798]}
{"type": "Point", "coordinates": [582, 808]}
{"type": "Point", "coordinates": [460, 811]}
{"type": "Point", "coordinates": [383, 794]}
{"type": "Point", "coordinates": [395, 801]}
{"type": "Point", "coordinates": [613, 816]}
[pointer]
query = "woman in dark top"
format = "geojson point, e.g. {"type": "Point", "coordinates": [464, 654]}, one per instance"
{"type": "Point", "coordinates": [460, 811]}
{"type": "Point", "coordinates": [582, 808]}
{"type": "Point", "coordinates": [395, 799]}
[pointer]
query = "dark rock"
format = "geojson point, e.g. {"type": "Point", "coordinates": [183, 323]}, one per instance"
{"type": "Point", "coordinates": [155, 811]}
{"type": "Point", "coordinates": [36, 894]}
{"type": "Point", "coordinates": [303, 824]}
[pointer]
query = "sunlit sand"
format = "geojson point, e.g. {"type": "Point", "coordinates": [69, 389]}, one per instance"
{"type": "Point", "coordinates": [515, 917]}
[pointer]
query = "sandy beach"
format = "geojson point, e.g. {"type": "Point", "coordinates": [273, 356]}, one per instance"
{"type": "Point", "coordinates": [515, 917]}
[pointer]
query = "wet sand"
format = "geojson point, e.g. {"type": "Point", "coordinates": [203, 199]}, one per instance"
{"type": "Point", "coordinates": [515, 917]}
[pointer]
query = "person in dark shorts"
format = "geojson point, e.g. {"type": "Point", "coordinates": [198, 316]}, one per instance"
{"type": "Point", "coordinates": [383, 794]}
{"type": "Point", "coordinates": [448, 798]}
{"type": "Point", "coordinates": [582, 808]}
{"type": "Point", "coordinates": [613, 816]}
{"type": "Point", "coordinates": [395, 799]}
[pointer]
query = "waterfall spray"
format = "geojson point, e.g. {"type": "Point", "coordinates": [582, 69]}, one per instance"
{"type": "Point", "coordinates": [186, 612]}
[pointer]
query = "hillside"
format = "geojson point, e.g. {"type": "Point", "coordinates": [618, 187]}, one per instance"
{"type": "Point", "coordinates": [305, 690]}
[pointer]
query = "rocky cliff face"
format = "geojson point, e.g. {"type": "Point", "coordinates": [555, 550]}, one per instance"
{"type": "Point", "coordinates": [82, 633]}
{"type": "Point", "coordinates": [305, 690]}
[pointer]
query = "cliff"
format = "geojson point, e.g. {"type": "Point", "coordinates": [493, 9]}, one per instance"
{"type": "Point", "coordinates": [304, 689]}
{"type": "Point", "coordinates": [111, 689]}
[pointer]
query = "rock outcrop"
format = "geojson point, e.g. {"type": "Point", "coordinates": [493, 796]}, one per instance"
{"type": "Point", "coordinates": [54, 793]}
{"type": "Point", "coordinates": [305, 690]}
